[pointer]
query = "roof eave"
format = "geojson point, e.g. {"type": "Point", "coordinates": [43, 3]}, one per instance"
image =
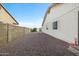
{"type": "Point", "coordinates": [9, 14]}
{"type": "Point", "coordinates": [49, 8]}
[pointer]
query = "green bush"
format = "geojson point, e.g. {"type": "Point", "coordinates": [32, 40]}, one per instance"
{"type": "Point", "coordinates": [34, 30]}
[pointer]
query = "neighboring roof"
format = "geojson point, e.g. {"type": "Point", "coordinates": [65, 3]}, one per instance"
{"type": "Point", "coordinates": [9, 14]}
{"type": "Point", "coordinates": [48, 10]}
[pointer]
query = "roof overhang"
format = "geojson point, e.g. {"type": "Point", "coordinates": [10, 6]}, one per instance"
{"type": "Point", "coordinates": [48, 10]}
{"type": "Point", "coordinates": [9, 14]}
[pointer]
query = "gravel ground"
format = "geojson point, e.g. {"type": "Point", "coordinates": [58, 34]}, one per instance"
{"type": "Point", "coordinates": [36, 44]}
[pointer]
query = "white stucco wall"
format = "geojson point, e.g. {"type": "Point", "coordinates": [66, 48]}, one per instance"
{"type": "Point", "coordinates": [67, 17]}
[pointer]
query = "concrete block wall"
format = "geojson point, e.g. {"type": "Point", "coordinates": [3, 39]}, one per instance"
{"type": "Point", "coordinates": [9, 33]}
{"type": "Point", "coordinates": [15, 32]}
{"type": "Point", "coordinates": [3, 33]}
{"type": "Point", "coordinates": [27, 30]}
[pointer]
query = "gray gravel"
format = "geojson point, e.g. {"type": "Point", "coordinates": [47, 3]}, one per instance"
{"type": "Point", "coordinates": [36, 44]}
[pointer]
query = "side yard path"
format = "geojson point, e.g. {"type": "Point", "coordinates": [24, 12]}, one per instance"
{"type": "Point", "coordinates": [36, 44]}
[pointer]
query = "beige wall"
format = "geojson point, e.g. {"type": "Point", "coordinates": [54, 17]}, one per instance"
{"type": "Point", "coordinates": [9, 33]}
{"type": "Point", "coordinates": [5, 17]}
{"type": "Point", "coordinates": [3, 33]}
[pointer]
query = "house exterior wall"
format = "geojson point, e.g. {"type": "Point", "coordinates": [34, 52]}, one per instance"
{"type": "Point", "coordinates": [5, 17]}
{"type": "Point", "coordinates": [67, 17]}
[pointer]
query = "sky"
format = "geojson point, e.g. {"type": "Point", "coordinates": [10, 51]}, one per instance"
{"type": "Point", "coordinates": [27, 14]}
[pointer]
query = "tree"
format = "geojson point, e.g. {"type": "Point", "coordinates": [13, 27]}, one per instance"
{"type": "Point", "coordinates": [34, 30]}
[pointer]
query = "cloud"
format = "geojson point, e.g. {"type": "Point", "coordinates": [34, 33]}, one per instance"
{"type": "Point", "coordinates": [30, 25]}
{"type": "Point", "coordinates": [34, 24]}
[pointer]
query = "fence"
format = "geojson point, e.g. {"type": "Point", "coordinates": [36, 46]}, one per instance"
{"type": "Point", "coordinates": [11, 32]}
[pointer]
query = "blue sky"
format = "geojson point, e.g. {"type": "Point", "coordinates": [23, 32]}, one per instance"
{"type": "Point", "coordinates": [27, 14]}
